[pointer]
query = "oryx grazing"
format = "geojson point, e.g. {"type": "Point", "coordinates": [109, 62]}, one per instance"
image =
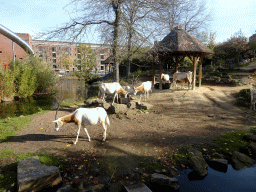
{"type": "Point", "coordinates": [145, 87]}
{"type": "Point", "coordinates": [90, 116]}
{"type": "Point", "coordinates": [111, 88]}
{"type": "Point", "coordinates": [184, 77]}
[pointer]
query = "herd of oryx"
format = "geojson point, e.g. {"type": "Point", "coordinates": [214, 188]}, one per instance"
{"type": "Point", "coordinates": [92, 116]}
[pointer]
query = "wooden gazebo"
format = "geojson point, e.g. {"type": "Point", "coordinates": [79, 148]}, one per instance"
{"type": "Point", "coordinates": [177, 45]}
{"type": "Point", "coordinates": [109, 62]}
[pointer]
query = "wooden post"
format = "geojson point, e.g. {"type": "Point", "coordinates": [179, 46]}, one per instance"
{"type": "Point", "coordinates": [194, 73]}
{"type": "Point", "coordinates": [161, 71]}
{"type": "Point", "coordinates": [177, 62]}
{"type": "Point", "coordinates": [154, 72]}
{"type": "Point", "coordinates": [200, 70]}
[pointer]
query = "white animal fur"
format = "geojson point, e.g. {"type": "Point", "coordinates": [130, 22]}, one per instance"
{"type": "Point", "coordinates": [165, 78]}
{"type": "Point", "coordinates": [184, 77]}
{"type": "Point", "coordinates": [128, 89]}
{"type": "Point", "coordinates": [145, 87]}
{"type": "Point", "coordinates": [90, 116]}
{"type": "Point", "coordinates": [111, 88]}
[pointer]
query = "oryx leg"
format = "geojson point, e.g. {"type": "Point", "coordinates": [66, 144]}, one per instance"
{"type": "Point", "coordinates": [105, 131]}
{"type": "Point", "coordinates": [114, 97]}
{"type": "Point", "coordinates": [87, 134]}
{"type": "Point", "coordinates": [79, 126]}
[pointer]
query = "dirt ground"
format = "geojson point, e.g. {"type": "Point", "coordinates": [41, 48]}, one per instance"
{"type": "Point", "coordinates": [178, 118]}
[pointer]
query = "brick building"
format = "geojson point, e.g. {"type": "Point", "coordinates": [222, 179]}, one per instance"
{"type": "Point", "coordinates": [6, 52]}
{"type": "Point", "coordinates": [53, 52]}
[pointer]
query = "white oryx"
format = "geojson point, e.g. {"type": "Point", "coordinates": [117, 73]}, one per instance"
{"type": "Point", "coordinates": [184, 77]}
{"type": "Point", "coordinates": [111, 88]}
{"type": "Point", "coordinates": [165, 78]}
{"type": "Point", "coordinates": [90, 116]}
{"type": "Point", "coordinates": [145, 87]}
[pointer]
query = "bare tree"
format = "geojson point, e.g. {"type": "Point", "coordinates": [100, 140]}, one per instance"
{"type": "Point", "coordinates": [191, 14]}
{"type": "Point", "coordinates": [88, 14]}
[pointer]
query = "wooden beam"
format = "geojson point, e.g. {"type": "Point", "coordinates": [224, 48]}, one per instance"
{"type": "Point", "coordinates": [177, 62]}
{"type": "Point", "coordinates": [194, 72]}
{"type": "Point", "coordinates": [200, 70]}
{"type": "Point", "coordinates": [161, 71]}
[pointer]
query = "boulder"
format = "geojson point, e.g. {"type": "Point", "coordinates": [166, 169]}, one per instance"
{"type": "Point", "coordinates": [145, 106]}
{"type": "Point", "coordinates": [240, 160]}
{"type": "Point", "coordinates": [106, 106]}
{"type": "Point", "coordinates": [194, 152]}
{"type": "Point", "coordinates": [118, 108]}
{"type": "Point", "coordinates": [218, 164]}
{"type": "Point", "coordinates": [163, 180]}
{"type": "Point", "coordinates": [131, 105]}
{"type": "Point", "coordinates": [136, 187]}
{"type": "Point", "coordinates": [33, 176]}
{"type": "Point", "coordinates": [199, 165]}
{"type": "Point", "coordinates": [252, 146]}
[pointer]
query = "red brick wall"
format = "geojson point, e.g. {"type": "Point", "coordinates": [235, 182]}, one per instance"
{"type": "Point", "coordinates": [6, 54]}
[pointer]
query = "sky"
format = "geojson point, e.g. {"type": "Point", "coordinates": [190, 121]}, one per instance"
{"type": "Point", "coordinates": [33, 16]}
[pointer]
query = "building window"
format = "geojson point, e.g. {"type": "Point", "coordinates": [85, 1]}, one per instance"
{"type": "Point", "coordinates": [53, 49]}
{"type": "Point", "coordinates": [66, 51]}
{"type": "Point", "coordinates": [40, 48]}
{"type": "Point", "coordinates": [102, 57]}
{"type": "Point", "coordinates": [54, 60]}
{"type": "Point", "coordinates": [102, 67]}
{"type": "Point", "coordinates": [54, 55]}
{"type": "Point", "coordinates": [20, 59]}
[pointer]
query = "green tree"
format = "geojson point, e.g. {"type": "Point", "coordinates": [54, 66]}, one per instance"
{"type": "Point", "coordinates": [25, 79]}
{"type": "Point", "coordinates": [86, 62]}
{"type": "Point", "coordinates": [66, 61]}
{"type": "Point", "coordinates": [7, 88]}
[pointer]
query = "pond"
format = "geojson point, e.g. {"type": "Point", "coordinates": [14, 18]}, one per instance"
{"type": "Point", "coordinates": [70, 89]}
{"type": "Point", "coordinates": [232, 180]}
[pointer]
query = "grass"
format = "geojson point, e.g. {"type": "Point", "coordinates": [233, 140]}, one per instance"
{"type": "Point", "coordinates": [253, 130]}
{"type": "Point", "coordinates": [233, 141]}
{"type": "Point", "coordinates": [8, 177]}
{"type": "Point", "coordinates": [152, 166]}
{"type": "Point", "coordinates": [68, 103]}
{"type": "Point", "coordinates": [9, 126]}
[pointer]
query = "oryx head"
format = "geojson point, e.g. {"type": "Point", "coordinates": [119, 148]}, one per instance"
{"type": "Point", "coordinates": [58, 124]}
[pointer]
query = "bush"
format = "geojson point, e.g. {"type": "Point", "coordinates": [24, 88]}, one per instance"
{"type": "Point", "coordinates": [6, 83]}
{"type": "Point", "coordinates": [46, 78]}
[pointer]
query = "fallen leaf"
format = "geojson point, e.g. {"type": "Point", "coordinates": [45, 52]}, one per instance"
{"type": "Point", "coordinates": [42, 128]}
{"type": "Point", "coordinates": [76, 177]}
{"type": "Point", "coordinates": [91, 177]}
{"type": "Point", "coordinates": [68, 145]}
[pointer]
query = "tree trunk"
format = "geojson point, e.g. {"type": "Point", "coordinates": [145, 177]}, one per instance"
{"type": "Point", "coordinates": [117, 11]}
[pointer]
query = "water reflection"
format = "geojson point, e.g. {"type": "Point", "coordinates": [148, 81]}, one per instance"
{"type": "Point", "coordinates": [232, 180]}
{"type": "Point", "coordinates": [71, 89]}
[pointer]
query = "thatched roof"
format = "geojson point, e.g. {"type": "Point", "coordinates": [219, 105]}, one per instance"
{"type": "Point", "coordinates": [178, 40]}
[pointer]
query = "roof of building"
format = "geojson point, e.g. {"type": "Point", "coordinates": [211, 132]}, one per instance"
{"type": "Point", "coordinates": [178, 40]}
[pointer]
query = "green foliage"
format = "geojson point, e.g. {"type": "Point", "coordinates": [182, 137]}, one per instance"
{"type": "Point", "coordinates": [8, 178]}
{"type": "Point", "coordinates": [8, 127]}
{"type": "Point", "coordinates": [25, 79]}
{"type": "Point", "coordinates": [88, 62]}
{"type": "Point", "coordinates": [46, 78]}
{"type": "Point", "coordinates": [253, 130]}
{"type": "Point", "coordinates": [6, 83]}
{"type": "Point", "coordinates": [152, 166]}
{"type": "Point", "coordinates": [233, 141]}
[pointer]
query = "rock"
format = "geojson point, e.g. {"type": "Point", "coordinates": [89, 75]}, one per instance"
{"type": "Point", "coordinates": [131, 105]}
{"type": "Point", "coordinates": [252, 146]}
{"type": "Point", "coordinates": [194, 152]}
{"type": "Point", "coordinates": [115, 187]}
{"type": "Point", "coordinates": [240, 160]}
{"type": "Point", "coordinates": [250, 137]}
{"type": "Point", "coordinates": [66, 188]}
{"type": "Point", "coordinates": [118, 108]}
{"type": "Point", "coordinates": [145, 106]}
{"type": "Point", "coordinates": [136, 187]}
{"type": "Point", "coordinates": [198, 164]}
{"type": "Point", "coordinates": [163, 180]}
{"type": "Point", "coordinates": [106, 106]}
{"type": "Point", "coordinates": [218, 164]}
{"type": "Point", "coordinates": [33, 176]}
